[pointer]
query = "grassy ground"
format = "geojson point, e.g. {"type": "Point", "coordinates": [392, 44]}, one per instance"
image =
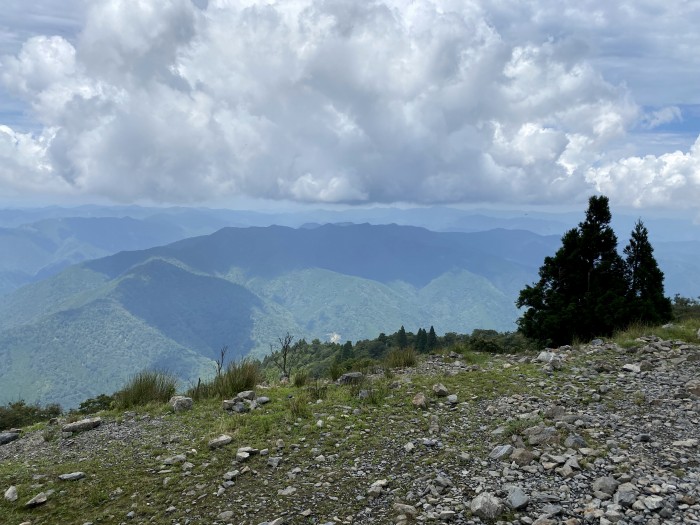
{"type": "Point", "coordinates": [336, 444]}
{"type": "Point", "coordinates": [356, 435]}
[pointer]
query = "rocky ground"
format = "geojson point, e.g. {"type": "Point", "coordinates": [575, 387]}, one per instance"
{"type": "Point", "coordinates": [593, 434]}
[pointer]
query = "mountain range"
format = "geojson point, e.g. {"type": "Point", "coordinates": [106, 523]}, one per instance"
{"type": "Point", "coordinates": [104, 292]}
{"type": "Point", "coordinates": [84, 330]}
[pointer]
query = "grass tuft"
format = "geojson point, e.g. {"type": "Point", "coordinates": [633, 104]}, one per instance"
{"type": "Point", "coordinates": [149, 386]}
{"type": "Point", "coordinates": [301, 377]}
{"type": "Point", "coordinates": [299, 407]}
{"type": "Point", "coordinates": [237, 377]}
{"type": "Point", "coordinates": [401, 358]}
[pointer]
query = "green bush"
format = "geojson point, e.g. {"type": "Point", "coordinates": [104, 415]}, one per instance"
{"type": "Point", "coordinates": [301, 377]}
{"type": "Point", "coordinates": [237, 377]}
{"type": "Point", "coordinates": [149, 386]}
{"type": "Point", "coordinates": [493, 342]}
{"type": "Point", "coordinates": [299, 406]}
{"type": "Point", "coordinates": [335, 370]}
{"type": "Point", "coordinates": [317, 390]}
{"type": "Point", "coordinates": [685, 308]}
{"type": "Point", "coordinates": [401, 358]}
{"type": "Point", "coordinates": [18, 414]}
{"type": "Point", "coordinates": [96, 404]}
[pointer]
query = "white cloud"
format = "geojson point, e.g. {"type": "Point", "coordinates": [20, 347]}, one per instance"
{"type": "Point", "coordinates": [669, 180]}
{"type": "Point", "coordinates": [319, 100]}
{"type": "Point", "coordinates": [662, 116]}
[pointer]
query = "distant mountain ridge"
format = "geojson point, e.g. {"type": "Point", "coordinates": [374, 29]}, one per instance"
{"type": "Point", "coordinates": [174, 306]}
{"type": "Point", "coordinates": [37, 243]}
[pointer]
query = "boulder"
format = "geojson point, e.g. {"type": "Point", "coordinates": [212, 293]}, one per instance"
{"type": "Point", "coordinates": [693, 387]}
{"type": "Point", "coordinates": [606, 485]}
{"type": "Point", "coordinates": [37, 500]}
{"type": "Point", "coordinates": [83, 425]}
{"type": "Point", "coordinates": [626, 495]}
{"type": "Point", "coordinates": [517, 498]}
{"type": "Point", "coordinates": [220, 441]}
{"type": "Point", "coordinates": [351, 378]}
{"type": "Point", "coordinates": [73, 476]}
{"type": "Point", "coordinates": [541, 435]}
{"type": "Point", "coordinates": [180, 403]}
{"type": "Point", "coordinates": [486, 506]}
{"type": "Point", "coordinates": [440, 390]}
{"type": "Point", "coordinates": [419, 400]}
{"type": "Point", "coordinates": [246, 394]}
{"type": "Point", "coordinates": [8, 437]}
{"type": "Point", "coordinates": [501, 451]}
{"type": "Point", "coordinates": [522, 457]}
{"type": "Point", "coordinates": [11, 494]}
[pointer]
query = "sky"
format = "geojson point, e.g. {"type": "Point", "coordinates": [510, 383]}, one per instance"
{"type": "Point", "coordinates": [410, 102]}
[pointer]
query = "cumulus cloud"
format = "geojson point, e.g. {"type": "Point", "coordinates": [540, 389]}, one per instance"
{"type": "Point", "coordinates": [668, 180]}
{"type": "Point", "coordinates": [315, 101]}
{"type": "Point", "coordinates": [662, 116]}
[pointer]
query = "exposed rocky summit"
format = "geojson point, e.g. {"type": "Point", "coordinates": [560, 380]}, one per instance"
{"type": "Point", "coordinates": [596, 434]}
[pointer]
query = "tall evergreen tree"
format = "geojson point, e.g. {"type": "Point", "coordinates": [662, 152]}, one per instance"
{"type": "Point", "coordinates": [432, 339]}
{"type": "Point", "coordinates": [581, 291]}
{"type": "Point", "coordinates": [346, 353]}
{"type": "Point", "coordinates": [422, 341]}
{"type": "Point", "coordinates": [646, 300]}
{"type": "Point", "coordinates": [402, 338]}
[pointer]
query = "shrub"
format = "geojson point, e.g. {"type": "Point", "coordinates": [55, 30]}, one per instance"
{"type": "Point", "coordinates": [149, 386]}
{"type": "Point", "coordinates": [377, 393]}
{"type": "Point", "coordinates": [494, 342]}
{"type": "Point", "coordinates": [301, 377]}
{"type": "Point", "coordinates": [18, 414]}
{"type": "Point", "coordinates": [317, 390]}
{"type": "Point", "coordinates": [243, 375]}
{"type": "Point", "coordinates": [401, 358]}
{"type": "Point", "coordinates": [96, 404]}
{"type": "Point", "coordinates": [237, 377]}
{"type": "Point", "coordinates": [299, 406]}
{"type": "Point", "coordinates": [335, 370]}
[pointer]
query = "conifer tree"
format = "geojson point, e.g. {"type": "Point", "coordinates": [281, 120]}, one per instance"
{"type": "Point", "coordinates": [402, 338]}
{"type": "Point", "coordinates": [582, 289]}
{"type": "Point", "coordinates": [432, 339]}
{"type": "Point", "coordinates": [422, 341]}
{"type": "Point", "coordinates": [645, 296]}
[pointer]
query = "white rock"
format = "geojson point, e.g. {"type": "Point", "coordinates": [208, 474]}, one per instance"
{"type": "Point", "coordinates": [486, 506]}
{"type": "Point", "coordinates": [220, 441]}
{"type": "Point", "coordinates": [11, 494]}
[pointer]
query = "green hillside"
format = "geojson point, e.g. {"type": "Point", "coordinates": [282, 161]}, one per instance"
{"type": "Point", "coordinates": [174, 307]}
{"type": "Point", "coordinates": [71, 355]}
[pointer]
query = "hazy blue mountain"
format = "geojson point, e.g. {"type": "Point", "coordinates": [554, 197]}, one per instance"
{"type": "Point", "coordinates": [34, 251]}
{"type": "Point", "coordinates": [244, 287]}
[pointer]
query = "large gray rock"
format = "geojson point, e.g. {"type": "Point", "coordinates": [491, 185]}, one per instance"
{"type": "Point", "coordinates": [180, 403]}
{"type": "Point", "coordinates": [220, 441]}
{"type": "Point", "coordinates": [606, 485]}
{"type": "Point", "coordinates": [541, 435]}
{"type": "Point", "coordinates": [8, 437]}
{"type": "Point", "coordinates": [419, 400]}
{"type": "Point", "coordinates": [37, 500]}
{"type": "Point", "coordinates": [73, 476]}
{"type": "Point", "coordinates": [440, 390]}
{"type": "Point", "coordinates": [501, 451]}
{"type": "Point", "coordinates": [486, 506]}
{"type": "Point", "coordinates": [351, 378]}
{"type": "Point", "coordinates": [246, 394]}
{"type": "Point", "coordinates": [522, 456]}
{"type": "Point", "coordinates": [626, 495]}
{"type": "Point", "coordinates": [82, 425]}
{"type": "Point", "coordinates": [693, 387]}
{"type": "Point", "coordinates": [11, 494]}
{"type": "Point", "coordinates": [575, 441]}
{"type": "Point", "coordinates": [517, 498]}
